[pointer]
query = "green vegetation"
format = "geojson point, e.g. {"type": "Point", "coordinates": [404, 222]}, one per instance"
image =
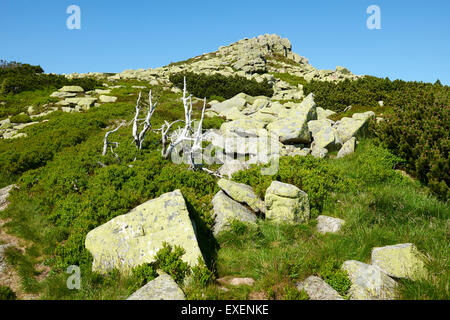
{"type": "Point", "coordinates": [20, 118]}
{"type": "Point", "coordinates": [420, 134]}
{"type": "Point", "coordinates": [67, 188]}
{"type": "Point", "coordinates": [6, 293]}
{"type": "Point", "coordinates": [368, 90]}
{"type": "Point", "coordinates": [202, 85]}
{"type": "Point", "coordinates": [290, 78]}
{"type": "Point", "coordinates": [417, 121]}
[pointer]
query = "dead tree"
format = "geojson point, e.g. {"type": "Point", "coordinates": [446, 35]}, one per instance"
{"type": "Point", "coordinates": [140, 137]}
{"type": "Point", "coordinates": [113, 145]}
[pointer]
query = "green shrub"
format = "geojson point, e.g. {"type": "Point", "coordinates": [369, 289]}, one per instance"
{"type": "Point", "coordinates": [169, 260]}
{"type": "Point", "coordinates": [337, 278]}
{"type": "Point", "coordinates": [20, 118]}
{"type": "Point", "coordinates": [317, 177]}
{"type": "Point", "coordinates": [202, 85]}
{"type": "Point", "coordinates": [201, 275]}
{"type": "Point", "coordinates": [143, 274]}
{"type": "Point", "coordinates": [6, 293]}
{"type": "Point", "coordinates": [420, 134]}
{"type": "Point", "coordinates": [292, 293]}
{"type": "Point", "coordinates": [290, 78]}
{"type": "Point", "coordinates": [17, 77]}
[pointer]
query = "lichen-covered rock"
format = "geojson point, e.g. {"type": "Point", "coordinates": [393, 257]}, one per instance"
{"type": "Point", "coordinates": [107, 99]}
{"type": "Point", "coordinates": [353, 127]}
{"type": "Point", "coordinates": [323, 113]}
{"type": "Point", "coordinates": [161, 288]}
{"type": "Point", "coordinates": [291, 130]}
{"type": "Point", "coordinates": [327, 224]}
{"type": "Point", "coordinates": [400, 261]}
{"type": "Point", "coordinates": [133, 239]}
{"type": "Point", "coordinates": [235, 102]}
{"type": "Point", "coordinates": [73, 89]}
{"type": "Point", "coordinates": [4, 194]}
{"type": "Point", "coordinates": [318, 152]}
{"type": "Point", "coordinates": [317, 289]}
{"type": "Point", "coordinates": [63, 95]}
{"type": "Point", "coordinates": [242, 127]}
{"type": "Point", "coordinates": [226, 210]}
{"type": "Point", "coordinates": [242, 193]}
{"type": "Point", "coordinates": [369, 282]}
{"type": "Point", "coordinates": [327, 138]}
{"type": "Point", "coordinates": [347, 149]}
{"type": "Point", "coordinates": [286, 203]}
{"type": "Point", "coordinates": [232, 166]}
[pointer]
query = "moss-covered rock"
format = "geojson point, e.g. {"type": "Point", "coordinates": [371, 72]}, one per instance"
{"type": "Point", "coordinates": [133, 239]}
{"type": "Point", "coordinates": [286, 203]}
{"type": "Point", "coordinates": [400, 261]}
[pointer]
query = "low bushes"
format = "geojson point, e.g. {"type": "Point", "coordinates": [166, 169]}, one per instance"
{"type": "Point", "coordinates": [202, 85]}
{"type": "Point", "coordinates": [420, 134]}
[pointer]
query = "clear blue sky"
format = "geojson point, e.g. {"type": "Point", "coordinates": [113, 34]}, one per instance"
{"type": "Point", "coordinates": [413, 44]}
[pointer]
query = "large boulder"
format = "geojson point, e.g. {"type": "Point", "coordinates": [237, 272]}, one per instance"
{"type": "Point", "coordinates": [242, 126]}
{"type": "Point", "coordinates": [133, 239]}
{"type": "Point", "coordinates": [286, 203]}
{"type": "Point", "coordinates": [317, 289]}
{"type": "Point", "coordinates": [161, 288]}
{"type": "Point", "coordinates": [235, 102]}
{"type": "Point", "coordinates": [242, 193]}
{"type": "Point", "coordinates": [291, 131]}
{"type": "Point", "coordinates": [400, 261]}
{"type": "Point", "coordinates": [327, 138]}
{"type": "Point", "coordinates": [369, 282]}
{"type": "Point", "coordinates": [226, 210]}
{"type": "Point", "coordinates": [353, 127]}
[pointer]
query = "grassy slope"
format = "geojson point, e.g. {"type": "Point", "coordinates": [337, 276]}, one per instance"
{"type": "Point", "coordinates": [69, 193]}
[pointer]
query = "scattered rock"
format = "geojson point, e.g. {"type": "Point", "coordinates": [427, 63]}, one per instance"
{"type": "Point", "coordinates": [236, 281]}
{"type": "Point", "coordinates": [72, 89]}
{"type": "Point", "coordinates": [161, 288]}
{"type": "Point", "coordinates": [63, 95]}
{"type": "Point", "coordinates": [369, 282]}
{"type": "Point", "coordinates": [107, 99]}
{"type": "Point", "coordinates": [347, 149]}
{"type": "Point", "coordinates": [400, 261]}
{"type": "Point", "coordinates": [242, 193]}
{"type": "Point", "coordinates": [286, 203]}
{"type": "Point", "coordinates": [327, 224]}
{"type": "Point", "coordinates": [3, 262]}
{"type": "Point", "coordinates": [4, 194]}
{"type": "Point", "coordinates": [226, 210]}
{"type": "Point", "coordinates": [133, 239]}
{"type": "Point", "coordinates": [317, 289]}
{"type": "Point", "coordinates": [232, 166]}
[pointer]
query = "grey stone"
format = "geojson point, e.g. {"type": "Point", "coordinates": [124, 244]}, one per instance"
{"type": "Point", "coordinates": [161, 288]}
{"type": "Point", "coordinates": [327, 224]}
{"type": "Point", "coordinates": [317, 289]}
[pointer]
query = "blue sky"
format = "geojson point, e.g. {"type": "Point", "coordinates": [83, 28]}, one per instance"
{"type": "Point", "coordinates": [413, 44]}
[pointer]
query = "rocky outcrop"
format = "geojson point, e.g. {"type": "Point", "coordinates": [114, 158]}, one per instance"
{"type": "Point", "coordinates": [286, 203]}
{"type": "Point", "coordinates": [348, 148]}
{"type": "Point", "coordinates": [317, 289]}
{"type": "Point", "coordinates": [400, 261]}
{"type": "Point", "coordinates": [161, 288]}
{"type": "Point", "coordinates": [133, 239]}
{"type": "Point", "coordinates": [226, 210]}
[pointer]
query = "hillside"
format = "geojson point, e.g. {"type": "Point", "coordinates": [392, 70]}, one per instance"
{"type": "Point", "coordinates": [300, 183]}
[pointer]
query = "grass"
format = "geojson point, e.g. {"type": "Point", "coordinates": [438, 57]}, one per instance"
{"type": "Point", "coordinates": [18, 103]}
{"type": "Point", "coordinates": [69, 193]}
{"type": "Point", "coordinates": [382, 112]}
{"type": "Point", "coordinates": [290, 78]}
